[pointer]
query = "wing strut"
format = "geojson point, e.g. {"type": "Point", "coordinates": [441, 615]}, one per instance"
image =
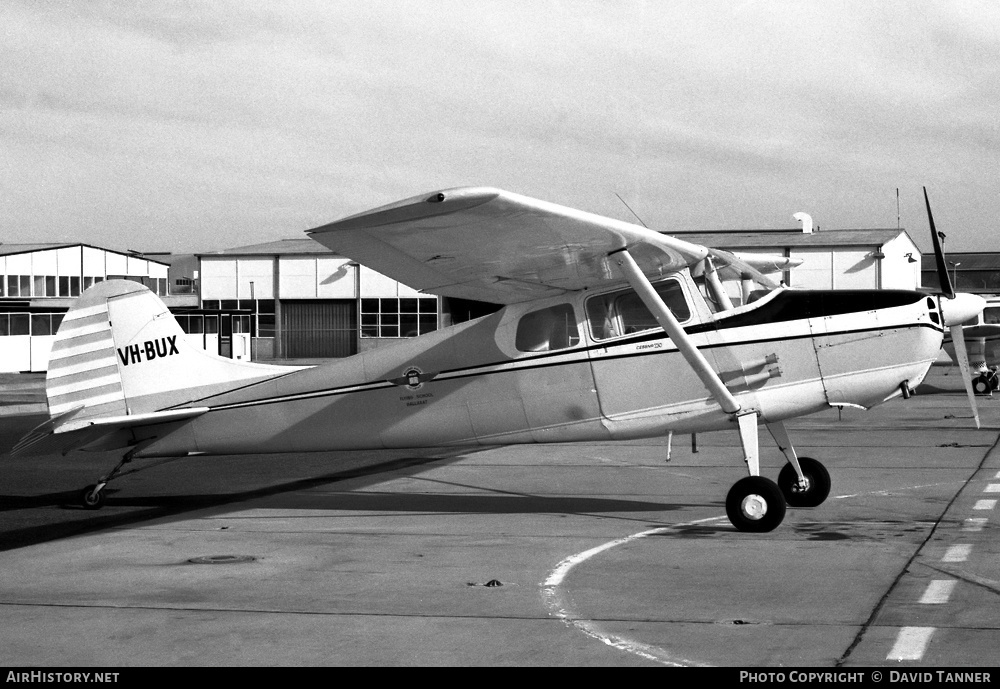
{"type": "Point", "coordinates": [747, 419]}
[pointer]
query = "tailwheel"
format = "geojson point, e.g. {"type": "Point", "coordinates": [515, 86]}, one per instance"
{"type": "Point", "coordinates": [755, 504]}
{"type": "Point", "coordinates": [816, 488]}
{"type": "Point", "coordinates": [92, 497]}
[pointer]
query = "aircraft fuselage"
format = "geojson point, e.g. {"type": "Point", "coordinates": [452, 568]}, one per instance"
{"type": "Point", "coordinates": [793, 352]}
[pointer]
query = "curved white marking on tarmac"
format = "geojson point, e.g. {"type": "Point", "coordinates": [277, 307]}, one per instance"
{"type": "Point", "coordinates": [891, 491]}
{"type": "Point", "coordinates": [558, 606]}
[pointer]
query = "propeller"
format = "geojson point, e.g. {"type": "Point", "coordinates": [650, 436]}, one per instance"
{"type": "Point", "coordinates": [956, 309]}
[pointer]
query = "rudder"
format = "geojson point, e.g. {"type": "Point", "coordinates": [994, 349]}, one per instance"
{"type": "Point", "coordinates": [119, 351]}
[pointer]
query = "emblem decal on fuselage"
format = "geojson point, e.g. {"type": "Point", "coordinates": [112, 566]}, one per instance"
{"type": "Point", "coordinates": [413, 378]}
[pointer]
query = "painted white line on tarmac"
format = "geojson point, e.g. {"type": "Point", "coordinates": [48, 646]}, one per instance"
{"type": "Point", "coordinates": [974, 524]}
{"type": "Point", "coordinates": [992, 488]}
{"type": "Point", "coordinates": [911, 643]}
{"type": "Point", "coordinates": [893, 491]}
{"type": "Point", "coordinates": [558, 606]}
{"type": "Point", "coordinates": [938, 591]}
{"type": "Point", "coordinates": [957, 553]}
{"type": "Point", "coordinates": [984, 504]}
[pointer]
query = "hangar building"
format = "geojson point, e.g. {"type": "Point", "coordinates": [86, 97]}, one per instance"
{"type": "Point", "coordinates": [38, 282]}
{"type": "Point", "coordinates": [295, 298]}
{"type": "Point", "coordinates": [831, 259]}
{"type": "Point", "coordinates": [977, 272]}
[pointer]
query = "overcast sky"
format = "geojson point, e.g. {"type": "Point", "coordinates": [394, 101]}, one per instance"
{"type": "Point", "coordinates": [193, 126]}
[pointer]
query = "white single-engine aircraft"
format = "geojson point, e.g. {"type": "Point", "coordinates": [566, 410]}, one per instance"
{"type": "Point", "coordinates": [982, 336]}
{"type": "Point", "coordinates": [608, 331]}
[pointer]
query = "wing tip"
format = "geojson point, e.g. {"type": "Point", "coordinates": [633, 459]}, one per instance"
{"type": "Point", "coordinates": [414, 208]}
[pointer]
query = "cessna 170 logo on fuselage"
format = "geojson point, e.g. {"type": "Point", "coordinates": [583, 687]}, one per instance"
{"type": "Point", "coordinates": [149, 350]}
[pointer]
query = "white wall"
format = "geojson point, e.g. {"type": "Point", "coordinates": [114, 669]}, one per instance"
{"type": "Point", "coordinates": [898, 271]}
{"type": "Point", "coordinates": [816, 270]}
{"type": "Point", "coordinates": [94, 262]}
{"type": "Point", "coordinates": [297, 277]}
{"type": "Point", "coordinates": [44, 263]}
{"type": "Point", "coordinates": [337, 278]}
{"type": "Point", "coordinates": [374, 284]}
{"type": "Point", "coordinates": [15, 353]}
{"type": "Point", "coordinates": [259, 271]}
{"type": "Point", "coordinates": [218, 278]}
{"type": "Point", "coordinates": [855, 269]}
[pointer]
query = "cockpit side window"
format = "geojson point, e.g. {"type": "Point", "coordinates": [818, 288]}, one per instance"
{"type": "Point", "coordinates": [548, 329]}
{"type": "Point", "coordinates": [991, 315]}
{"type": "Point", "coordinates": [623, 313]}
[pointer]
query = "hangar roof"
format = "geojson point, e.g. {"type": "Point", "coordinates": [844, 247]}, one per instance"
{"type": "Point", "coordinates": [747, 239]}
{"type": "Point", "coordinates": [965, 260]}
{"type": "Point", "coordinates": [282, 247]}
{"type": "Point", "coordinates": [12, 249]}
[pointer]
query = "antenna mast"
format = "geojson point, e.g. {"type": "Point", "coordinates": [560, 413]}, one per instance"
{"type": "Point", "coordinates": [632, 211]}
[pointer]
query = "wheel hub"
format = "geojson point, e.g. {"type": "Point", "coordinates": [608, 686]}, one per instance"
{"type": "Point", "coordinates": [754, 506]}
{"type": "Point", "coordinates": [801, 486]}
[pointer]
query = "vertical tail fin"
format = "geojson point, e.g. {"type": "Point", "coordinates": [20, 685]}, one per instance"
{"type": "Point", "coordinates": [119, 351]}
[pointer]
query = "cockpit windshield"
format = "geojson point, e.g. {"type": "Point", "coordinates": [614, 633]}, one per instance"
{"type": "Point", "coordinates": [727, 281]}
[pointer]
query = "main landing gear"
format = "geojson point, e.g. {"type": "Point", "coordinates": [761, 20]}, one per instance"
{"type": "Point", "coordinates": [986, 382]}
{"type": "Point", "coordinates": [757, 504]}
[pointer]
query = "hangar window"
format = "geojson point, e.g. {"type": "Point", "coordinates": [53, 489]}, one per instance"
{"type": "Point", "coordinates": [14, 324]}
{"type": "Point", "coordinates": [548, 329]}
{"type": "Point", "coordinates": [623, 313]}
{"type": "Point", "coordinates": [398, 317]}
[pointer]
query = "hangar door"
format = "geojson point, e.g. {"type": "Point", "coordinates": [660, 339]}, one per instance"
{"type": "Point", "coordinates": [319, 328]}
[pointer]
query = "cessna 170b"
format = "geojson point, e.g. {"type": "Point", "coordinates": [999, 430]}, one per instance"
{"type": "Point", "coordinates": [608, 331]}
{"type": "Point", "coordinates": [982, 336]}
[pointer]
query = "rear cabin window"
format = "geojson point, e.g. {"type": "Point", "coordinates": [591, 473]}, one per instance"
{"type": "Point", "coordinates": [548, 329]}
{"type": "Point", "coordinates": [623, 313]}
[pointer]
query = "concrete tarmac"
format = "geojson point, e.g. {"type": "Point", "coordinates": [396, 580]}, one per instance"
{"type": "Point", "coordinates": [564, 555]}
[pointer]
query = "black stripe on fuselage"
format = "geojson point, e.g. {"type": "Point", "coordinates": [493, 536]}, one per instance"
{"type": "Point", "coordinates": [799, 305]}
{"type": "Point", "coordinates": [787, 305]}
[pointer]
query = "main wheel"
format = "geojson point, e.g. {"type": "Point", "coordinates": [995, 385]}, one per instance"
{"type": "Point", "coordinates": [817, 480]}
{"type": "Point", "coordinates": [755, 504]}
{"type": "Point", "coordinates": [981, 385]}
{"type": "Point", "coordinates": [91, 498]}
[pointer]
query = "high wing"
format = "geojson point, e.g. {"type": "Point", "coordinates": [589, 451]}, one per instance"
{"type": "Point", "coordinates": [495, 246]}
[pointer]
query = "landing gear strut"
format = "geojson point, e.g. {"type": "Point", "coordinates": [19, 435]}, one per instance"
{"type": "Point", "coordinates": [757, 504]}
{"type": "Point", "coordinates": [92, 497]}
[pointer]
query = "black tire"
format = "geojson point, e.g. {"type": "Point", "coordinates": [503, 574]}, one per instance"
{"type": "Point", "coordinates": [755, 504]}
{"type": "Point", "coordinates": [981, 385]}
{"type": "Point", "coordinates": [819, 483]}
{"type": "Point", "coordinates": [92, 499]}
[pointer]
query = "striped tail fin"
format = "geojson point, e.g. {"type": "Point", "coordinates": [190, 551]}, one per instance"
{"type": "Point", "coordinates": [83, 367]}
{"type": "Point", "coordinates": [120, 359]}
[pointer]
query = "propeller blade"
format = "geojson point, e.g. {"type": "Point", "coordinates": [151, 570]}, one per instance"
{"type": "Point", "coordinates": [947, 289]}
{"type": "Point", "coordinates": [958, 340]}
